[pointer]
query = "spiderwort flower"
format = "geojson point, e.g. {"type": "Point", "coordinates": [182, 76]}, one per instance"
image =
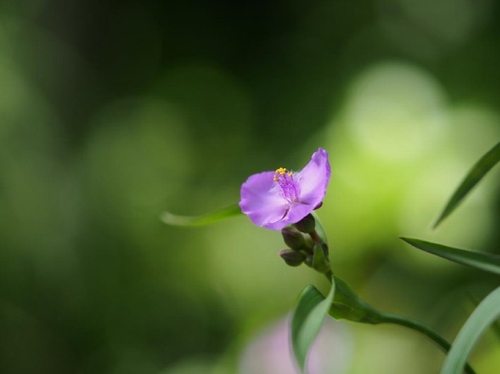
{"type": "Point", "coordinates": [275, 199]}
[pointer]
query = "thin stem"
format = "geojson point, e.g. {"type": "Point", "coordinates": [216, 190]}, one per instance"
{"type": "Point", "coordinates": [430, 333]}
{"type": "Point", "coordinates": [315, 237]}
{"type": "Point", "coordinates": [350, 298]}
{"type": "Point", "coordinates": [398, 320]}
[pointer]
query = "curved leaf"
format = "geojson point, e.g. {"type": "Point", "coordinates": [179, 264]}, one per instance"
{"type": "Point", "coordinates": [307, 320]}
{"type": "Point", "coordinates": [479, 260]}
{"type": "Point", "coordinates": [496, 325]}
{"type": "Point", "coordinates": [478, 171]}
{"type": "Point", "coordinates": [349, 306]}
{"type": "Point", "coordinates": [483, 316]}
{"type": "Point", "coordinates": [175, 220]}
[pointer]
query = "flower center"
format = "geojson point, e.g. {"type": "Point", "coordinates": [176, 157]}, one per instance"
{"type": "Point", "coordinates": [290, 189]}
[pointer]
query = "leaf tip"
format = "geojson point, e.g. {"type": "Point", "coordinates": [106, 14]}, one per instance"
{"type": "Point", "coordinates": [438, 222]}
{"type": "Point", "coordinates": [411, 241]}
{"type": "Point", "coordinates": [168, 218]}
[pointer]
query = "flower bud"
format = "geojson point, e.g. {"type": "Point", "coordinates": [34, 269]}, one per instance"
{"type": "Point", "coordinates": [306, 224]}
{"type": "Point", "coordinates": [291, 257]}
{"type": "Point", "coordinates": [293, 238]}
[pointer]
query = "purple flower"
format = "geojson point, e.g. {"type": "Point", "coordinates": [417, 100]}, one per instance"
{"type": "Point", "coordinates": [275, 199]}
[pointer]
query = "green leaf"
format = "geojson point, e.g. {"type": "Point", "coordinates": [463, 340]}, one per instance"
{"type": "Point", "coordinates": [479, 260]}
{"type": "Point", "coordinates": [175, 220]}
{"type": "Point", "coordinates": [319, 228]}
{"type": "Point", "coordinates": [478, 171]}
{"type": "Point", "coordinates": [307, 320]}
{"type": "Point", "coordinates": [496, 325]}
{"type": "Point", "coordinates": [349, 306]}
{"type": "Point", "coordinates": [483, 316]}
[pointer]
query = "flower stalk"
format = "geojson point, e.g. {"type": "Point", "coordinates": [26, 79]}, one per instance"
{"type": "Point", "coordinates": [347, 305]}
{"type": "Point", "coordinates": [285, 200]}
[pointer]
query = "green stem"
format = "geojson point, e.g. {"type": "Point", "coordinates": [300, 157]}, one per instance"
{"type": "Point", "coordinates": [398, 320]}
{"type": "Point", "coordinates": [430, 333]}
{"type": "Point", "coordinates": [348, 305]}
{"type": "Point", "coordinates": [315, 237]}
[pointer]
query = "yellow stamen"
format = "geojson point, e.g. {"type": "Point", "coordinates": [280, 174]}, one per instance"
{"type": "Point", "coordinates": [280, 171]}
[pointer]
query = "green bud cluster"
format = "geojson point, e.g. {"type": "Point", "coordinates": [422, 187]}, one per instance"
{"type": "Point", "coordinates": [305, 246]}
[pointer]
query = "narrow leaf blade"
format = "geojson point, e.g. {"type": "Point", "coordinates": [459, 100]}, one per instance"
{"type": "Point", "coordinates": [496, 325]}
{"type": "Point", "coordinates": [483, 316]}
{"type": "Point", "coordinates": [478, 171]}
{"type": "Point", "coordinates": [175, 220]}
{"type": "Point", "coordinates": [307, 320]}
{"type": "Point", "coordinates": [479, 260]}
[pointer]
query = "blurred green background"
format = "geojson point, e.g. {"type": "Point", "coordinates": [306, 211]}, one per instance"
{"type": "Point", "coordinates": [113, 112]}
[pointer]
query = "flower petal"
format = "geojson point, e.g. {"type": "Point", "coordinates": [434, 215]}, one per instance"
{"type": "Point", "coordinates": [297, 212]}
{"type": "Point", "coordinates": [267, 204]}
{"type": "Point", "coordinates": [262, 201]}
{"type": "Point", "coordinates": [313, 178]}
